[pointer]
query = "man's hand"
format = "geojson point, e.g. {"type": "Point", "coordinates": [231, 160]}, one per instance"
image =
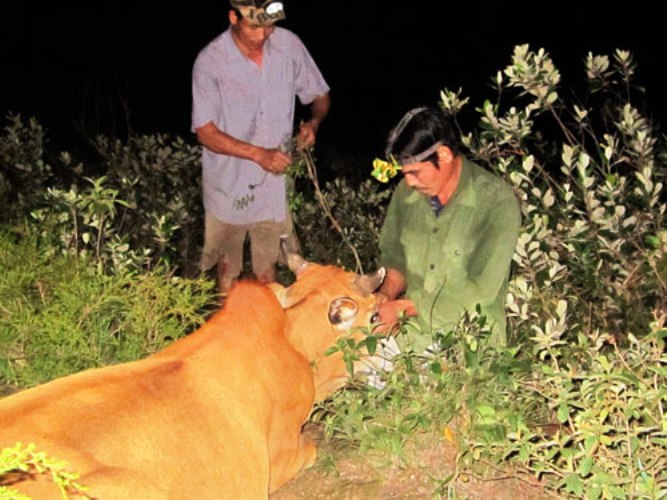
{"type": "Point", "coordinates": [214, 139]}
{"type": "Point", "coordinates": [307, 135]}
{"type": "Point", "coordinates": [274, 160]}
{"type": "Point", "coordinates": [391, 311]}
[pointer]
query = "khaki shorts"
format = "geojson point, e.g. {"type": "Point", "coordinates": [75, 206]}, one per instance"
{"type": "Point", "coordinates": [223, 241]}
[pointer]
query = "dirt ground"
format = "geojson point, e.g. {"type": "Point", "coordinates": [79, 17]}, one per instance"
{"type": "Point", "coordinates": [341, 474]}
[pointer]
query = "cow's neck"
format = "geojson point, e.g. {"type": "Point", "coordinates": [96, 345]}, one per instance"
{"type": "Point", "coordinates": [306, 336]}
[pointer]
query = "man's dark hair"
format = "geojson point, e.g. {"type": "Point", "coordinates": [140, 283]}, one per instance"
{"type": "Point", "coordinates": [422, 130]}
{"type": "Point", "coordinates": [236, 10]}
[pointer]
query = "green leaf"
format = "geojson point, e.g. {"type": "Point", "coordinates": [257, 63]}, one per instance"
{"type": "Point", "coordinates": [486, 411]}
{"type": "Point", "coordinates": [590, 442]}
{"type": "Point", "coordinates": [333, 349]}
{"type": "Point", "coordinates": [371, 343]}
{"type": "Point", "coordinates": [574, 484]}
{"type": "Point", "coordinates": [551, 98]}
{"type": "Point", "coordinates": [585, 466]}
{"type": "Point", "coordinates": [593, 492]}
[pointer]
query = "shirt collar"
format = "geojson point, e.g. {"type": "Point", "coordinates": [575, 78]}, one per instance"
{"type": "Point", "coordinates": [465, 191]}
{"type": "Point", "coordinates": [436, 205]}
{"type": "Point", "coordinates": [236, 51]}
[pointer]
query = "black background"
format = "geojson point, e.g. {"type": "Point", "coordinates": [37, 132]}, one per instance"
{"type": "Point", "coordinates": [98, 67]}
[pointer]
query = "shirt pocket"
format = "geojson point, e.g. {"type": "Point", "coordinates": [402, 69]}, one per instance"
{"type": "Point", "coordinates": [459, 245]}
{"type": "Point", "coordinates": [457, 257]}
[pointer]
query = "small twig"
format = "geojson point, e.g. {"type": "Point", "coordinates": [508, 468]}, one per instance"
{"type": "Point", "coordinates": [511, 476]}
{"type": "Point", "coordinates": [568, 135]}
{"type": "Point", "coordinates": [312, 173]}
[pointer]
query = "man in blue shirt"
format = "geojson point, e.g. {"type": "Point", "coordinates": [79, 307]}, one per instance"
{"type": "Point", "coordinates": [245, 84]}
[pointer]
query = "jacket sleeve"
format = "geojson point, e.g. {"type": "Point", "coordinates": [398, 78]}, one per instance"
{"type": "Point", "coordinates": [391, 250]}
{"type": "Point", "coordinates": [491, 258]}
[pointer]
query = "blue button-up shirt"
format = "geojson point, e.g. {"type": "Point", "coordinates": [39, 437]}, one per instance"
{"type": "Point", "coordinates": [256, 105]}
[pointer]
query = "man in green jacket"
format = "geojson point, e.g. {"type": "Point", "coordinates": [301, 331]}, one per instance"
{"type": "Point", "coordinates": [449, 233]}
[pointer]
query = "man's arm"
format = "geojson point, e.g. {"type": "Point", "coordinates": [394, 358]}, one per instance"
{"type": "Point", "coordinates": [392, 258]}
{"type": "Point", "coordinates": [393, 284]}
{"type": "Point", "coordinates": [319, 109]}
{"type": "Point", "coordinates": [391, 308]}
{"type": "Point", "coordinates": [214, 139]}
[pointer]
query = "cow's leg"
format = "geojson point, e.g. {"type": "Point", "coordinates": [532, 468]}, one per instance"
{"type": "Point", "coordinates": [308, 451]}
{"type": "Point", "coordinates": [287, 462]}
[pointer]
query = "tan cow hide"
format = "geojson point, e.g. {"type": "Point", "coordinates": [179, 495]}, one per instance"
{"type": "Point", "coordinates": [218, 414]}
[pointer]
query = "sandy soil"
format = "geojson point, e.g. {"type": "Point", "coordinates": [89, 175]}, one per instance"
{"type": "Point", "coordinates": [341, 474]}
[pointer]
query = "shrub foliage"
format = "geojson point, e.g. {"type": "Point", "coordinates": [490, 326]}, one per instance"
{"type": "Point", "coordinates": [94, 264]}
{"type": "Point", "coordinates": [579, 400]}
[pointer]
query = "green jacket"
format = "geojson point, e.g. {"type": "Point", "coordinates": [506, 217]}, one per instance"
{"type": "Point", "coordinates": [456, 260]}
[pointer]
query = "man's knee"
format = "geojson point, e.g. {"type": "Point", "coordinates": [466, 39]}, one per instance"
{"type": "Point", "coordinates": [267, 275]}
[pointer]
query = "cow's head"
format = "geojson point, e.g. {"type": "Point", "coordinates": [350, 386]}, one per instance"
{"type": "Point", "coordinates": [325, 303]}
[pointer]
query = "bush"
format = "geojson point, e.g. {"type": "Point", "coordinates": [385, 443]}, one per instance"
{"type": "Point", "coordinates": [23, 171]}
{"type": "Point", "coordinates": [159, 178]}
{"type": "Point", "coordinates": [594, 227]}
{"type": "Point", "coordinates": [579, 400]}
{"type": "Point", "coordinates": [28, 459]}
{"type": "Point", "coordinates": [60, 314]}
{"type": "Point", "coordinates": [358, 211]}
{"type": "Point", "coordinates": [141, 196]}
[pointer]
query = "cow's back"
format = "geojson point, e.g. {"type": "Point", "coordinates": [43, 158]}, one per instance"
{"type": "Point", "coordinates": [196, 420]}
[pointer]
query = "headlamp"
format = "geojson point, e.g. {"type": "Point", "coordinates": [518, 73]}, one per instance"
{"type": "Point", "coordinates": [275, 9]}
{"type": "Point", "coordinates": [260, 12]}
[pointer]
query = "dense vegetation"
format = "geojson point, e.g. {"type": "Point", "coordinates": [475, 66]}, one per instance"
{"type": "Point", "coordinates": [97, 267]}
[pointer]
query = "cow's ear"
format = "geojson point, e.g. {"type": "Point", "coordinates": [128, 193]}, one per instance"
{"type": "Point", "coordinates": [281, 294]}
{"type": "Point", "coordinates": [342, 312]}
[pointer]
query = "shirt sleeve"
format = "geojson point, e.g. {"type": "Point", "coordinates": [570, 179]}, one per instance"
{"type": "Point", "coordinates": [309, 80]}
{"type": "Point", "coordinates": [391, 250]}
{"type": "Point", "coordinates": [492, 256]}
{"type": "Point", "coordinates": [206, 100]}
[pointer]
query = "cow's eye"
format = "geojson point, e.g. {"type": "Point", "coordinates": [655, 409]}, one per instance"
{"type": "Point", "coordinates": [342, 309]}
{"type": "Point", "coordinates": [376, 317]}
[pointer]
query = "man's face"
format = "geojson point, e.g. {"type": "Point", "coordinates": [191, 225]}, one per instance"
{"type": "Point", "coordinates": [424, 177]}
{"type": "Point", "coordinates": [251, 35]}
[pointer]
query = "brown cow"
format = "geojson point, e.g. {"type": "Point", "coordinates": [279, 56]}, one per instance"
{"type": "Point", "coordinates": [218, 414]}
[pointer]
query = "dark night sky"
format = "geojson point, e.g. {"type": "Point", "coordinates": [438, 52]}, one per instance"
{"type": "Point", "coordinates": [69, 65]}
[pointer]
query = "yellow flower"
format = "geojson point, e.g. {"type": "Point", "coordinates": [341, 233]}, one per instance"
{"type": "Point", "coordinates": [385, 170]}
{"type": "Point", "coordinates": [449, 434]}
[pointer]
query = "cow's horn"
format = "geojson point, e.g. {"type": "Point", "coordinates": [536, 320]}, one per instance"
{"type": "Point", "coordinates": [295, 262]}
{"type": "Point", "coordinates": [368, 283]}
